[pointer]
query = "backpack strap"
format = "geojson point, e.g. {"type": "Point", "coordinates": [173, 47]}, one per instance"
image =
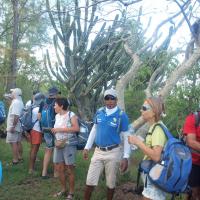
{"type": "Point", "coordinates": [197, 118]}
{"type": "Point", "coordinates": [164, 128]}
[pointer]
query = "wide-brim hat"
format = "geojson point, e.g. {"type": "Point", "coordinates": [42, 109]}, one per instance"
{"type": "Point", "coordinates": [38, 98]}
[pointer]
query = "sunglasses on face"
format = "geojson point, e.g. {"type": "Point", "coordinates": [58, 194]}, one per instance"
{"type": "Point", "coordinates": [146, 107]}
{"type": "Point", "coordinates": [109, 97]}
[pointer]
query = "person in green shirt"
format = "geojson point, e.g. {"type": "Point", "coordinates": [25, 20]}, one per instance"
{"type": "Point", "coordinates": [151, 111]}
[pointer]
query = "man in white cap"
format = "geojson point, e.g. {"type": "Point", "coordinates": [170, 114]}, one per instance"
{"type": "Point", "coordinates": [110, 123]}
{"type": "Point", "coordinates": [14, 132]}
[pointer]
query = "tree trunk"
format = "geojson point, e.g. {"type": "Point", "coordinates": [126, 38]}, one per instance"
{"type": "Point", "coordinates": [13, 67]}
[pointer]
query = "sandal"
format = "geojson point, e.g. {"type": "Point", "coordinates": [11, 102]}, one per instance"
{"type": "Point", "coordinates": [15, 162]}
{"type": "Point", "coordinates": [20, 160]}
{"type": "Point", "coordinates": [60, 194]}
{"type": "Point", "coordinates": [70, 196]}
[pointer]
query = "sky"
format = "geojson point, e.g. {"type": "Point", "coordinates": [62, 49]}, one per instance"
{"type": "Point", "coordinates": [157, 9]}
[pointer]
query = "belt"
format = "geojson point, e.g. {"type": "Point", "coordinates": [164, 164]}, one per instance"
{"type": "Point", "coordinates": [109, 148]}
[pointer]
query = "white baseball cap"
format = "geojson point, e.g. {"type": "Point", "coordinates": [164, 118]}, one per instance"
{"type": "Point", "coordinates": [110, 92]}
{"type": "Point", "coordinates": [16, 92]}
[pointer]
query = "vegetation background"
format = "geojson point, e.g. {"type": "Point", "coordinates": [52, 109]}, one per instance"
{"type": "Point", "coordinates": [81, 47]}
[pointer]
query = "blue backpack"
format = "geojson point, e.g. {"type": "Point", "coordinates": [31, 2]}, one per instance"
{"type": "Point", "coordinates": [26, 118]}
{"type": "Point", "coordinates": [47, 116]}
{"type": "Point", "coordinates": [1, 173]}
{"type": "Point", "coordinates": [171, 173]}
{"type": "Point", "coordinates": [2, 112]}
{"type": "Point", "coordinates": [80, 138]}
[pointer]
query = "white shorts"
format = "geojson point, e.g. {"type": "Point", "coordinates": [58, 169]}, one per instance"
{"type": "Point", "coordinates": [151, 191]}
{"type": "Point", "coordinates": [108, 159]}
{"type": "Point", "coordinates": [13, 137]}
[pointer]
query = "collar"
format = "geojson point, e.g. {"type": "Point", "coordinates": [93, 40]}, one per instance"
{"type": "Point", "coordinates": [111, 111]}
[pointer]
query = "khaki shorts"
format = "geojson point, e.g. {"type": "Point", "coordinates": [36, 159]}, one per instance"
{"type": "Point", "coordinates": [108, 159]}
{"type": "Point", "coordinates": [13, 137]}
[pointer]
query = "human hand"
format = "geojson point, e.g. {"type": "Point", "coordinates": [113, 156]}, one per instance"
{"type": "Point", "coordinates": [54, 130]}
{"type": "Point", "coordinates": [134, 139]}
{"type": "Point", "coordinates": [39, 116]}
{"type": "Point", "coordinates": [12, 130]}
{"type": "Point", "coordinates": [124, 165]}
{"type": "Point", "coordinates": [85, 154]}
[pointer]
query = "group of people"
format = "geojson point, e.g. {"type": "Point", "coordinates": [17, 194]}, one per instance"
{"type": "Point", "coordinates": [110, 130]}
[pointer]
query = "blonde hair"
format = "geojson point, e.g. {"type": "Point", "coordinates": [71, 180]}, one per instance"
{"type": "Point", "coordinates": [157, 106]}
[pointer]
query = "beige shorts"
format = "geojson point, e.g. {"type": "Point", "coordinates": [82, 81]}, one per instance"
{"type": "Point", "coordinates": [108, 159]}
{"type": "Point", "coordinates": [13, 137]}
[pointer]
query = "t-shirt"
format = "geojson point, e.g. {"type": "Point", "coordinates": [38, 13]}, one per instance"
{"type": "Point", "coordinates": [16, 108]}
{"type": "Point", "coordinates": [189, 128]}
{"type": "Point", "coordinates": [36, 126]}
{"type": "Point", "coordinates": [157, 138]}
{"type": "Point", "coordinates": [109, 127]}
{"type": "Point", "coordinates": [63, 121]}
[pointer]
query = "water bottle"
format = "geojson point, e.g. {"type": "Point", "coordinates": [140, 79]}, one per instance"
{"type": "Point", "coordinates": [132, 132]}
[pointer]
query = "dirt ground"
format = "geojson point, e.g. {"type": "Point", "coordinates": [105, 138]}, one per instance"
{"type": "Point", "coordinates": [126, 192]}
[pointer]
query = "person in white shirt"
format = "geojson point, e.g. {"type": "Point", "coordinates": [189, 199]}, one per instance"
{"type": "Point", "coordinates": [14, 131]}
{"type": "Point", "coordinates": [65, 128]}
{"type": "Point", "coordinates": [35, 136]}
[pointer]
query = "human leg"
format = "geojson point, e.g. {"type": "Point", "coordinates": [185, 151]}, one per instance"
{"type": "Point", "coordinates": [14, 139]}
{"type": "Point", "coordinates": [33, 154]}
{"type": "Point", "coordinates": [110, 193]}
{"type": "Point", "coordinates": [112, 160]}
{"type": "Point", "coordinates": [19, 150]}
{"type": "Point", "coordinates": [71, 178]}
{"type": "Point", "coordinates": [95, 169]}
{"type": "Point", "coordinates": [49, 141]}
{"type": "Point", "coordinates": [35, 140]}
{"type": "Point", "coordinates": [88, 192]}
{"type": "Point", "coordinates": [194, 183]}
{"type": "Point", "coordinates": [62, 176]}
{"type": "Point", "coordinates": [47, 157]}
{"type": "Point", "coordinates": [14, 148]}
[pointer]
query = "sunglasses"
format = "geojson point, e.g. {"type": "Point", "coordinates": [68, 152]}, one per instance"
{"type": "Point", "coordinates": [146, 107]}
{"type": "Point", "coordinates": [109, 97]}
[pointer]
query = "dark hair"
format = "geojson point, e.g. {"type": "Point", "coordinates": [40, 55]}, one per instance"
{"type": "Point", "coordinates": [62, 101]}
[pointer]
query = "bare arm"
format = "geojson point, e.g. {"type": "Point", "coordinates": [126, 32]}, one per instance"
{"type": "Point", "coordinates": [73, 129]}
{"type": "Point", "coordinates": [154, 153]}
{"type": "Point", "coordinates": [15, 121]}
{"type": "Point", "coordinates": [192, 142]}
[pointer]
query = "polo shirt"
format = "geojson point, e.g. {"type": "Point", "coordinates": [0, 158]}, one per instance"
{"type": "Point", "coordinates": [189, 128]}
{"type": "Point", "coordinates": [109, 127]}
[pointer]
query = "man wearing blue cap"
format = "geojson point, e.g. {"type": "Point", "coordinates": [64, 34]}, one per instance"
{"type": "Point", "coordinates": [46, 115]}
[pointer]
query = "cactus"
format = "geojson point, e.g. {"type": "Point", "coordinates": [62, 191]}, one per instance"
{"type": "Point", "coordinates": [88, 67]}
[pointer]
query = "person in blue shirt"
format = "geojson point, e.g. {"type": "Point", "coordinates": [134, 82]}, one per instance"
{"type": "Point", "coordinates": [110, 125]}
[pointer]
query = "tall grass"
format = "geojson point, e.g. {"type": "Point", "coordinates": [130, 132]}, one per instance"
{"type": "Point", "coordinates": [19, 185]}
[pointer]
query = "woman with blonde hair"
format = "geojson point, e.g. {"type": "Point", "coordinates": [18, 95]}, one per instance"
{"type": "Point", "coordinates": [151, 111]}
